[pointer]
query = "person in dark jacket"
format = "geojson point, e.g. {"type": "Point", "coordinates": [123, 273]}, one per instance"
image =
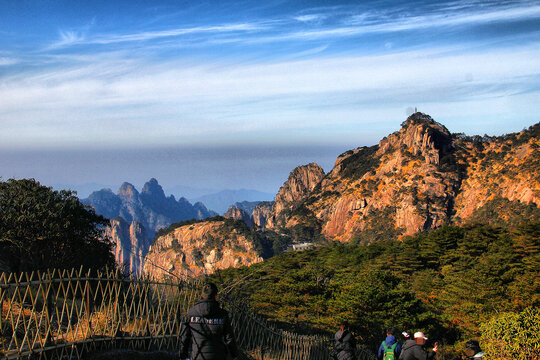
{"type": "Point", "coordinates": [390, 341]}
{"type": "Point", "coordinates": [412, 349]}
{"type": "Point", "coordinates": [345, 343]}
{"type": "Point", "coordinates": [207, 329]}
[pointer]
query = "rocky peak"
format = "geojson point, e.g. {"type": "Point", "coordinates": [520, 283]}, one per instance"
{"type": "Point", "coordinates": [298, 187]}
{"type": "Point", "coordinates": [300, 183]}
{"type": "Point", "coordinates": [153, 189]}
{"type": "Point", "coordinates": [128, 191]}
{"type": "Point", "coordinates": [237, 213]}
{"type": "Point", "coordinates": [419, 135]}
{"type": "Point", "coordinates": [184, 202]}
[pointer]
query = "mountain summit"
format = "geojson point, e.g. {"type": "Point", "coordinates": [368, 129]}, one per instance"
{"type": "Point", "coordinates": [418, 178]}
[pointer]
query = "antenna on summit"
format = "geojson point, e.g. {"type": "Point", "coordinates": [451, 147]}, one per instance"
{"type": "Point", "coordinates": [415, 109]}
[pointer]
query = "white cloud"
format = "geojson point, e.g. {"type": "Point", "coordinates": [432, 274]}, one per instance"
{"type": "Point", "coordinates": [5, 61]}
{"type": "Point", "coordinates": [311, 18]}
{"type": "Point", "coordinates": [370, 23]}
{"type": "Point", "coordinates": [70, 38]}
{"type": "Point", "coordinates": [128, 101]}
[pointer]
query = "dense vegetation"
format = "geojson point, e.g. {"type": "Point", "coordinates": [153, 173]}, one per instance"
{"type": "Point", "coordinates": [512, 335]}
{"type": "Point", "coordinates": [356, 165]}
{"type": "Point", "coordinates": [446, 283]}
{"type": "Point", "coordinates": [41, 229]}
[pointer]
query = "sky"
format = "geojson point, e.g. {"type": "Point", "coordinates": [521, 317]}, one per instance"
{"type": "Point", "coordinates": [235, 94]}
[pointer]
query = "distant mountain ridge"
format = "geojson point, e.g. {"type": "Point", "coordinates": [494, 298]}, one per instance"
{"type": "Point", "coordinates": [151, 208]}
{"type": "Point", "coordinates": [221, 201]}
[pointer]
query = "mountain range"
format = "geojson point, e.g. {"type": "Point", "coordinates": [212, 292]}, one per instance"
{"type": "Point", "coordinates": [416, 179]}
{"type": "Point", "coordinates": [136, 216]}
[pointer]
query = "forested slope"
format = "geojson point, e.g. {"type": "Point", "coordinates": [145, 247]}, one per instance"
{"type": "Point", "coordinates": [446, 282]}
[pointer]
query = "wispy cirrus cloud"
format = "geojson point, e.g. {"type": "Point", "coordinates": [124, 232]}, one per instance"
{"type": "Point", "coordinates": [342, 23]}
{"type": "Point", "coordinates": [67, 38]}
{"type": "Point", "coordinates": [117, 101]}
{"type": "Point", "coordinates": [72, 38]}
{"type": "Point", "coordinates": [372, 23]}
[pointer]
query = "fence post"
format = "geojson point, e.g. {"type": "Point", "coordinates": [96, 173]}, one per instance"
{"type": "Point", "coordinates": [48, 307]}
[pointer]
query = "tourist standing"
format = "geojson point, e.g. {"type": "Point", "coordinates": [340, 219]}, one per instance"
{"type": "Point", "coordinates": [206, 333]}
{"type": "Point", "coordinates": [412, 349]}
{"type": "Point", "coordinates": [390, 348]}
{"type": "Point", "coordinates": [345, 343]}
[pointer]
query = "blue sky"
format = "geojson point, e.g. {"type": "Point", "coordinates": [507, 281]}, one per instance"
{"type": "Point", "coordinates": [81, 76]}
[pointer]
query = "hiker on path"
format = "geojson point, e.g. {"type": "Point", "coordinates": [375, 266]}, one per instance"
{"type": "Point", "coordinates": [412, 349]}
{"type": "Point", "coordinates": [390, 348]}
{"type": "Point", "coordinates": [207, 330]}
{"type": "Point", "coordinates": [345, 343]}
{"type": "Point", "coordinates": [473, 350]}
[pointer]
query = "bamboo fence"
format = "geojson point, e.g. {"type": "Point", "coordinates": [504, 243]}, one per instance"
{"type": "Point", "coordinates": [62, 314]}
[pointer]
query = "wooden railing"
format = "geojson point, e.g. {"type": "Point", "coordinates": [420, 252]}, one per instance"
{"type": "Point", "coordinates": [67, 314]}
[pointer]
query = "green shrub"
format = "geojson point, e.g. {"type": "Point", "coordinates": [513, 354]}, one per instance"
{"type": "Point", "coordinates": [512, 336]}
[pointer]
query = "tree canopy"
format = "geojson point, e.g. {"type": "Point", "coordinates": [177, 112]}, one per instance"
{"type": "Point", "coordinates": [41, 228]}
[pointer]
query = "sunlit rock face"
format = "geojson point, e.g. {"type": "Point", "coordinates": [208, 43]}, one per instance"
{"type": "Point", "coordinates": [131, 244]}
{"type": "Point", "coordinates": [199, 249]}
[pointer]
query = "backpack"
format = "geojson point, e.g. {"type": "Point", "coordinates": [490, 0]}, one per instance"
{"type": "Point", "coordinates": [389, 351]}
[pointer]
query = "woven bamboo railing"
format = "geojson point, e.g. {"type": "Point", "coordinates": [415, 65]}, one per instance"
{"type": "Point", "coordinates": [70, 314]}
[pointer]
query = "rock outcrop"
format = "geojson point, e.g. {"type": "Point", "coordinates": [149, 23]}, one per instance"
{"type": "Point", "coordinates": [252, 213]}
{"type": "Point", "coordinates": [150, 207]}
{"type": "Point", "coordinates": [298, 187]}
{"type": "Point", "coordinates": [237, 213]}
{"type": "Point", "coordinates": [499, 168]}
{"type": "Point", "coordinates": [199, 249]}
{"type": "Point", "coordinates": [261, 213]}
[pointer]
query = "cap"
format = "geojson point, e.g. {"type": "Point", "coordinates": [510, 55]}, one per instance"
{"type": "Point", "coordinates": [405, 334]}
{"type": "Point", "coordinates": [419, 334]}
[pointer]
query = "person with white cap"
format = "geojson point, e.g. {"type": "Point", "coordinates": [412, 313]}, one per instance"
{"type": "Point", "coordinates": [412, 349]}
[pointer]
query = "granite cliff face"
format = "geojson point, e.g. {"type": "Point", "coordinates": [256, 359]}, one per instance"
{"type": "Point", "coordinates": [261, 213]}
{"type": "Point", "coordinates": [417, 178]}
{"type": "Point", "coordinates": [198, 249]}
{"type": "Point", "coordinates": [131, 244]}
{"type": "Point", "coordinates": [499, 168]}
{"type": "Point", "coordinates": [404, 185]}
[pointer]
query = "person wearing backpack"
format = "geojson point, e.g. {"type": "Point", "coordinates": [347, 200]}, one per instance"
{"type": "Point", "coordinates": [412, 349]}
{"type": "Point", "coordinates": [390, 348]}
